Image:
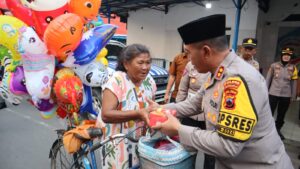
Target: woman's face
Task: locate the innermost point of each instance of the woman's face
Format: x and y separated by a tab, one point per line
286	58
139	67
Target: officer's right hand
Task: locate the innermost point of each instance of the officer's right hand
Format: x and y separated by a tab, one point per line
166	98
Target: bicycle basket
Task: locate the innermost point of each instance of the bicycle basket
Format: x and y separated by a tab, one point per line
175	158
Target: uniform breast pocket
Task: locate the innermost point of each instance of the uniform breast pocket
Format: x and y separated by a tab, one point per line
212	113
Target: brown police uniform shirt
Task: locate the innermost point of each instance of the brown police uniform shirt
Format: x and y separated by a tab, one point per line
240	131
282	80
190	83
176	69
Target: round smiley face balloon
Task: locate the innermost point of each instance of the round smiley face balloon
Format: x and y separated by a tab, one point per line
87	9
63	35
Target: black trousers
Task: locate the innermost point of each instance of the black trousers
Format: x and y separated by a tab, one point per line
282	104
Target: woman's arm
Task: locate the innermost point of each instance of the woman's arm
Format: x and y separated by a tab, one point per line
110	114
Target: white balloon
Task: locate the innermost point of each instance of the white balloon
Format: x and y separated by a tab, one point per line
44	5
38	65
93	74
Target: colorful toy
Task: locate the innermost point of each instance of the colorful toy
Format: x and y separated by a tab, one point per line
17	82
63	35
93	74
92	42
38	65
20	11
9	33
87	9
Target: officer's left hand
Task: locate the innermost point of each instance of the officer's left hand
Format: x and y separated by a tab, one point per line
169	127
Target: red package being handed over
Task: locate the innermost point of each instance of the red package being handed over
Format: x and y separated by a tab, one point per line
159	115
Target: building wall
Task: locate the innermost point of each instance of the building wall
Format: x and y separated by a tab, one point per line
268	28
158	30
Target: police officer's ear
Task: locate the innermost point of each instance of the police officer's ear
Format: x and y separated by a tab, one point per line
207	50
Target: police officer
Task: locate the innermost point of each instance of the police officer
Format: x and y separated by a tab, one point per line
249	50
240	131
282	83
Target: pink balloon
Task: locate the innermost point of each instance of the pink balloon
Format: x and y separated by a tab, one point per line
20	11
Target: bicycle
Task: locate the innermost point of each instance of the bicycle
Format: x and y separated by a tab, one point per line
80	159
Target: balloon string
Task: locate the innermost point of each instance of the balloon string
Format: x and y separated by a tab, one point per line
76	118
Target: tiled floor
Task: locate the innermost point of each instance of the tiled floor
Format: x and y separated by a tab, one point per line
291	131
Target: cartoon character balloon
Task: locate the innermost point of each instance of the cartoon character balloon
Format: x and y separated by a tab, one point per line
68	91
93	74
9	34
17	82
38	65
42	5
87	9
20	11
44	11
92	42
63	35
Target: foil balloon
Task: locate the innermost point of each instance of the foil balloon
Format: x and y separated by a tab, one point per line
93	74
6	93
87	103
9	33
94	23
61	112
42	5
68	91
38	65
63	35
44	105
17	82
49	114
20	11
102	54
104	61
64	72
86	9
44	11
92	42
6	58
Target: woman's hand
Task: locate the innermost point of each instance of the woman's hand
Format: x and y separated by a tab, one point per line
144	114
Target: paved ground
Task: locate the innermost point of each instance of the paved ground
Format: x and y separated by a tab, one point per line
26	137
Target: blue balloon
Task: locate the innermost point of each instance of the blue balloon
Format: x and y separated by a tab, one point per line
87	103
92	42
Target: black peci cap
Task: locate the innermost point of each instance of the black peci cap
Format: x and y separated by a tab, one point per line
202	29
249	42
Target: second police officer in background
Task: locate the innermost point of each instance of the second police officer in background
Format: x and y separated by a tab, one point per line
249	50
282	84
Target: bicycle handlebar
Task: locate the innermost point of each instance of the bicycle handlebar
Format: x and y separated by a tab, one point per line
111	138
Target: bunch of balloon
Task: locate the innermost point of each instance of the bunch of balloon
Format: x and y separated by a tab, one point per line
50	55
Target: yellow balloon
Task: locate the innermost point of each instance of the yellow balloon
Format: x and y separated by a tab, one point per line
101	54
104	61
9	33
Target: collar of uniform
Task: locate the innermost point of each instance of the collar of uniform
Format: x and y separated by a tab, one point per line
219	73
284	65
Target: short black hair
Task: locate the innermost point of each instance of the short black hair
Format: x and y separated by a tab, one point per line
129	53
219	43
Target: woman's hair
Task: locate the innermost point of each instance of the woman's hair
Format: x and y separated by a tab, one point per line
129	53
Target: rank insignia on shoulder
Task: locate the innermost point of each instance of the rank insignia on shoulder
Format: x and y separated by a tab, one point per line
219	73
